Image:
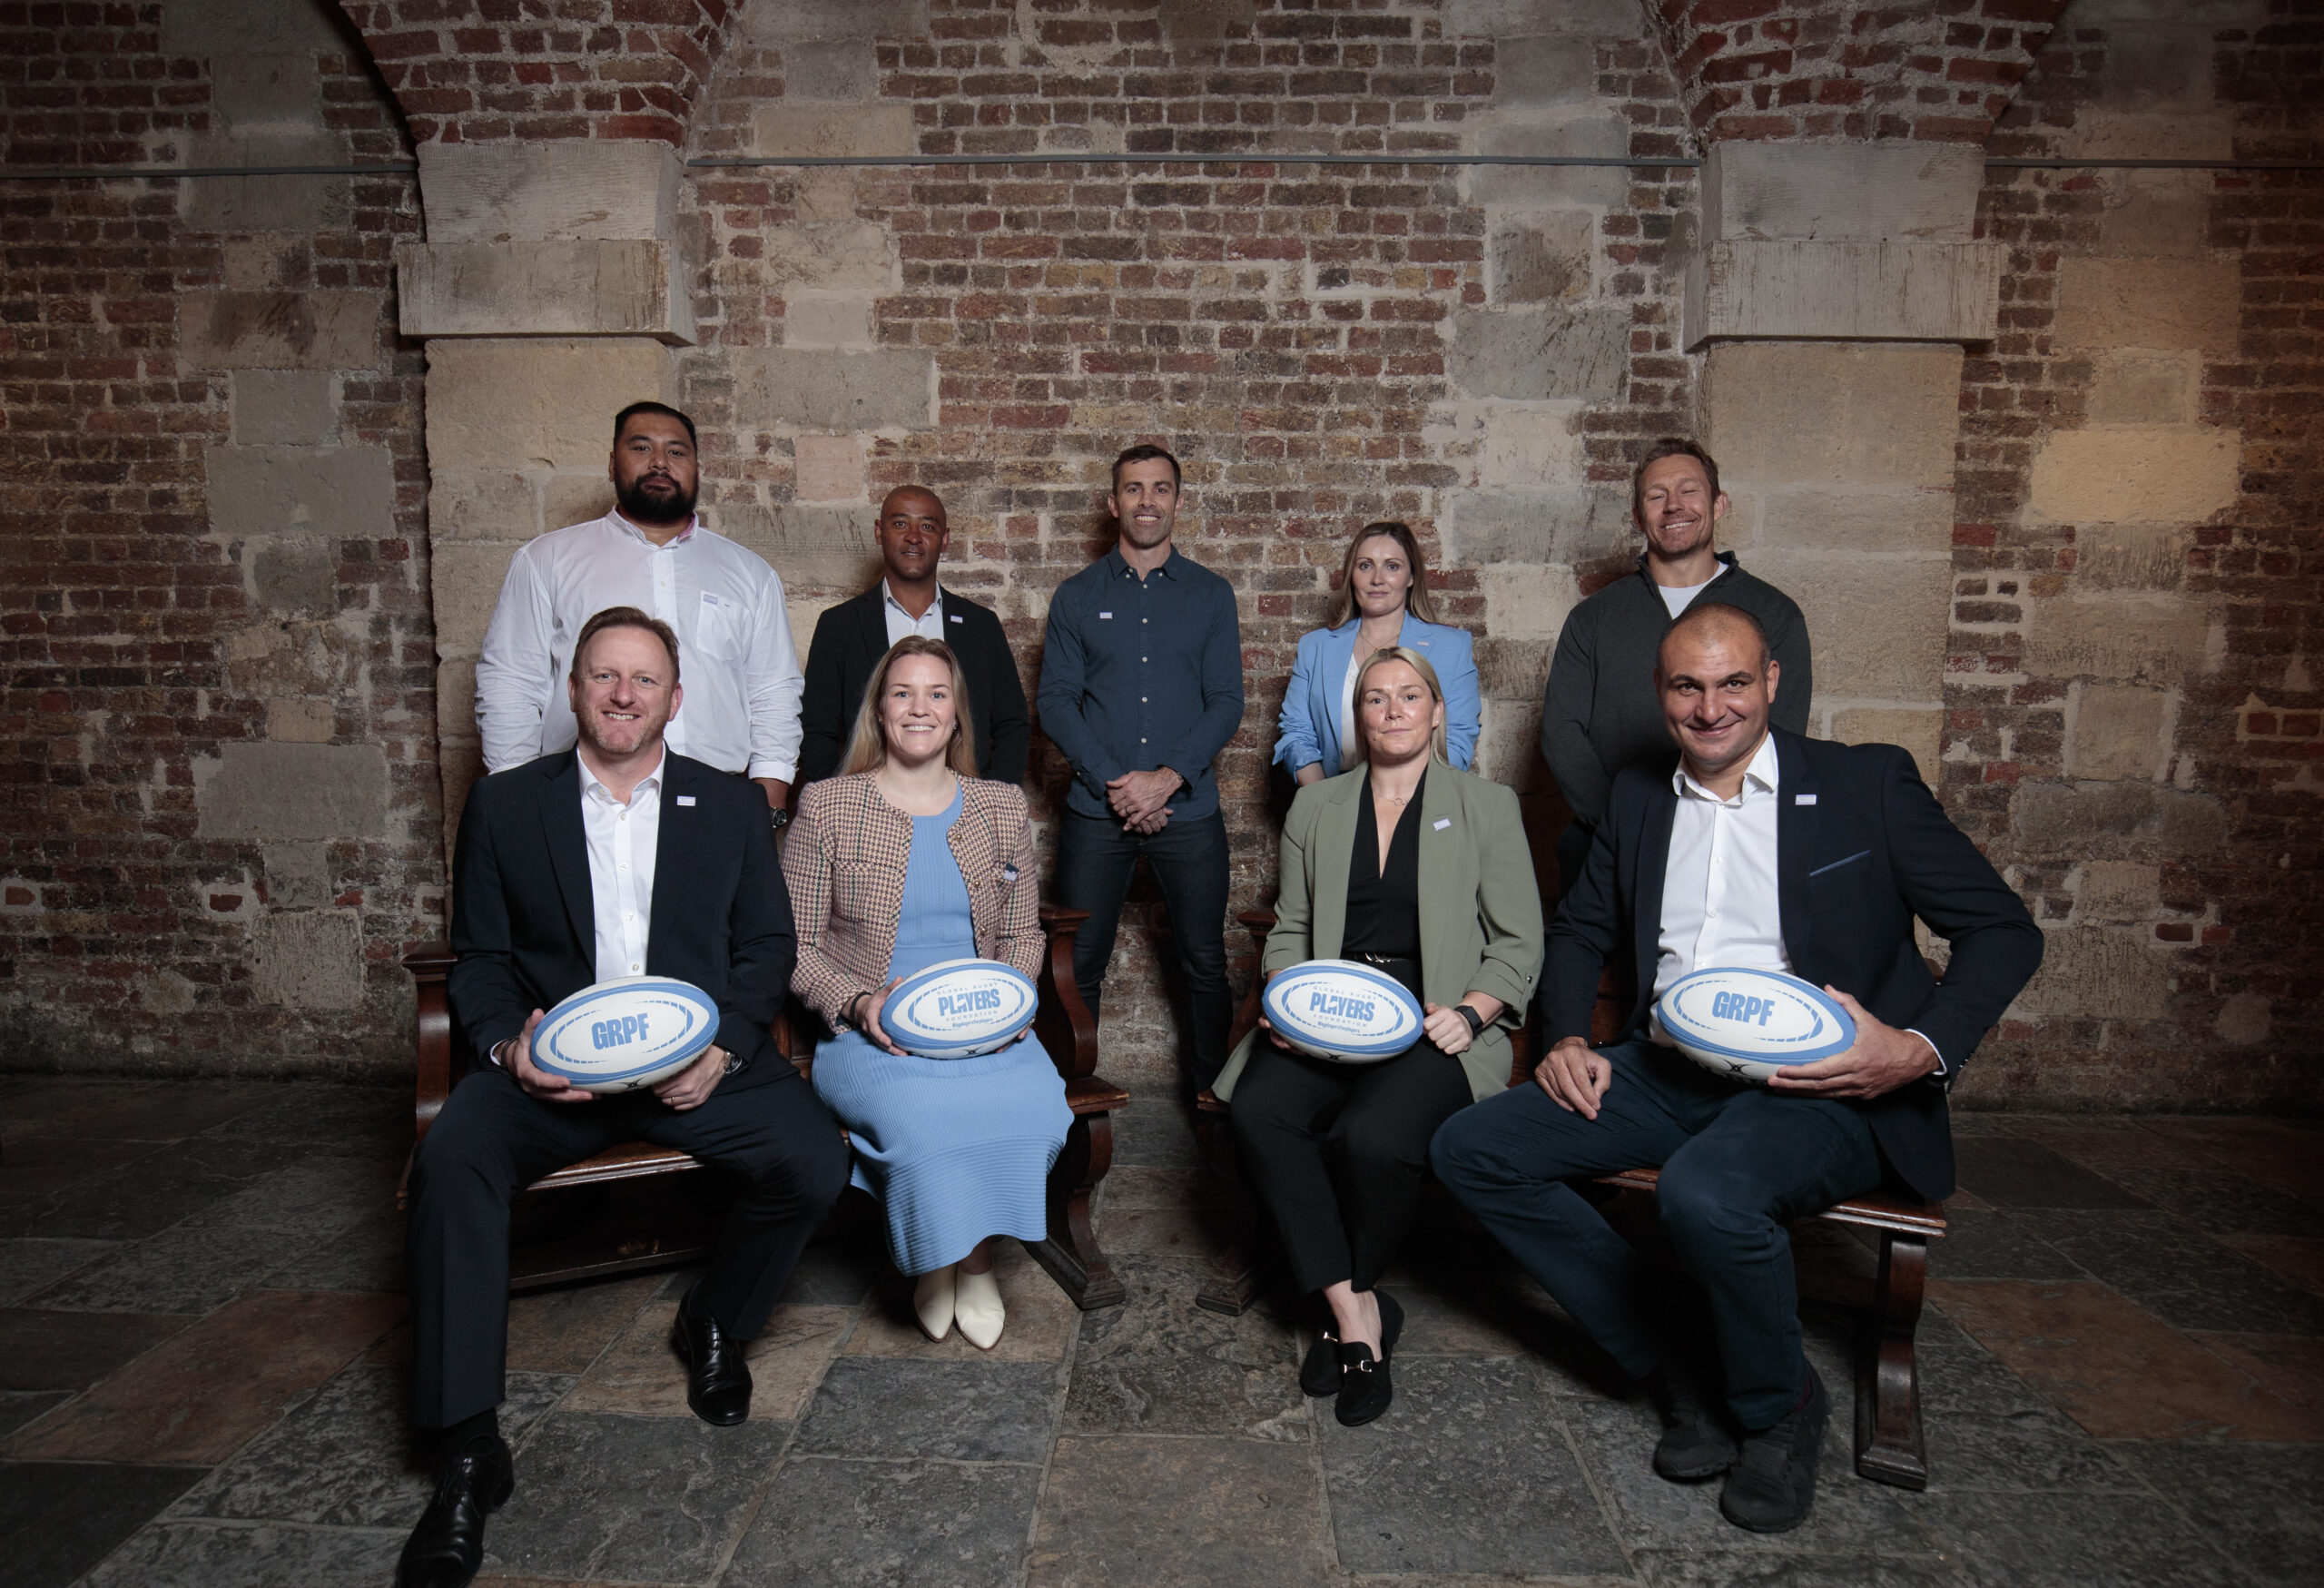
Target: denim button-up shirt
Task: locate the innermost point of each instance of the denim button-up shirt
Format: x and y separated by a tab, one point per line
1142	673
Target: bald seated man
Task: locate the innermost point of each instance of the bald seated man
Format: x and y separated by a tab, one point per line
850	638
1751	847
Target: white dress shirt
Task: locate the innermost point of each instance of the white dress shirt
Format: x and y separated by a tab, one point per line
736	659
621	840
929	625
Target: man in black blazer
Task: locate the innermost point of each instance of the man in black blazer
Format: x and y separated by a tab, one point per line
614	858
1759	848
850	638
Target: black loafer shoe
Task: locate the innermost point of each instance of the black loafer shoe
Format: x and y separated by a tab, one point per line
1773	1482
1365	1388
718	1384
1695	1443
448	1547
1320	1373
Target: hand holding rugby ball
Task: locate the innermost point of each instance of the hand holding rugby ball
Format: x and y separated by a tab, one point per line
1343	1010
958	1009
624	1034
1747	1024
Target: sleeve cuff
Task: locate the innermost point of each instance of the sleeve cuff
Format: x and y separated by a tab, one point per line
780	771
1943	1072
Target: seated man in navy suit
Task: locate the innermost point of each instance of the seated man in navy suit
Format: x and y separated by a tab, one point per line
615	858
1756	848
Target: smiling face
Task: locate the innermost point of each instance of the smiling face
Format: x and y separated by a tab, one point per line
1676	508
624	692
1381	577
1718	685
911	534
653	471
917	716
1397	713
1145	501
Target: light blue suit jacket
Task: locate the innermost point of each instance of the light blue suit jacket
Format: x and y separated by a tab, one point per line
1309	730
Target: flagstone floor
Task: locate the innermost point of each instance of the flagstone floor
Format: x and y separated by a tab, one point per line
201	1368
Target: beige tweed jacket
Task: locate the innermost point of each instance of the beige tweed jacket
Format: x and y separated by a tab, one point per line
845	859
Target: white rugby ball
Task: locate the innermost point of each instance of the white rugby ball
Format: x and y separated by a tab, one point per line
625	1033
958	1009
1749	1024
1342	1010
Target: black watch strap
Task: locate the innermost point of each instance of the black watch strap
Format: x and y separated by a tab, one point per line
1476	1021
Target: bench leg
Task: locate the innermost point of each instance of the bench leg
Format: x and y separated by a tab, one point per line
1241	1271
1888	1444
1071	1253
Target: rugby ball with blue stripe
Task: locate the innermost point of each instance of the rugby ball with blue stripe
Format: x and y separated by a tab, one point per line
1342	1010
1749	1024
625	1033
960	1009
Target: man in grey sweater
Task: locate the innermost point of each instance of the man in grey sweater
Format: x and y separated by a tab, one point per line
1601	712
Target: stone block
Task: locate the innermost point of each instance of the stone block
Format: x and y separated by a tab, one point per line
600	287
266	89
1542	259
574	498
829	468
575	189
295	204
1894	290
2050	818
783	129
285	408
849	256
1876	624
2118	638
1503	19
1509	745
298	721
824	192
222	30
2106	303
279	331
282	658
270	793
308	959
1916	519
2244	1020
780	21
841	71
843	321
1803	413
2143	388
482	503
337	492
1548	187
2132	556
536	402
1567	525
1513	669
1841	192
2118	731
298	875
1194	21
836	391
455	699
2134	475
1922	731
2095	973
465	580
1546	69
2117	890
2101	134
2160	212
295	576
1538	353
1524	602
1531	445
829	547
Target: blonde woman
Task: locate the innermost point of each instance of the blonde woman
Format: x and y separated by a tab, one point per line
904	860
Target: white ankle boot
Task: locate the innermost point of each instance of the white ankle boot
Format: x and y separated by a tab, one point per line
978	1311
933	1300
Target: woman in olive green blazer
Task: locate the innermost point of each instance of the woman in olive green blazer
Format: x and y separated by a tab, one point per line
1336	1152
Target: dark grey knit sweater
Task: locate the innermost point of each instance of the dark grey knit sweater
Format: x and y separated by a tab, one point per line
1599	713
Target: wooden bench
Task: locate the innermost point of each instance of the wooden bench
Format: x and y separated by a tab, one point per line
1889	1446
657	1231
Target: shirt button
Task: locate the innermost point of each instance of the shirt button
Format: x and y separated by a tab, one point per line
633	968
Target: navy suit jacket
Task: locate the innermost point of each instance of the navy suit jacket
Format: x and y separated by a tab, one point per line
1862	847
524	922
850	638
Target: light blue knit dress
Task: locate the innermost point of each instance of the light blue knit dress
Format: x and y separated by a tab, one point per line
956	1148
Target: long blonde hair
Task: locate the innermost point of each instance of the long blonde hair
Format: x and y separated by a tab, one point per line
1417	600
1418	664
867	747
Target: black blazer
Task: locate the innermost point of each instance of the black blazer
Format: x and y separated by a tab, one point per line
1861	848
850	638
525	929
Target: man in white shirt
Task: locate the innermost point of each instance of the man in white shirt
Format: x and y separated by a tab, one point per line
722	600
1763	849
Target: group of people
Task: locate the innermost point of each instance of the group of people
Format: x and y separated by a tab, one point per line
616	835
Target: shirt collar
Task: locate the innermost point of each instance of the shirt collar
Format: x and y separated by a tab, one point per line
632	530
1726	563
888	598
1762	776
593	788
1118	565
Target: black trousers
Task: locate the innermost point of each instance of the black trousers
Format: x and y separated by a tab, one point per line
1335	1152
491	1140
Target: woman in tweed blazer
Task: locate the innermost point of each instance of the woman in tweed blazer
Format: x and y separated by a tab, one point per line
905	860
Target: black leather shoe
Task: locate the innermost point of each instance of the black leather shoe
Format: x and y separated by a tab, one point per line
1320	1373
1365	1388
1695	1443
448	1547
1773	1482
718	1384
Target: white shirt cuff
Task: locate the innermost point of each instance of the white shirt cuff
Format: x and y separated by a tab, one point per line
1942	1070
780	771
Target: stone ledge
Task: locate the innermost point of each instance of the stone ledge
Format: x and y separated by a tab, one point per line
605	287
1895	290
576	190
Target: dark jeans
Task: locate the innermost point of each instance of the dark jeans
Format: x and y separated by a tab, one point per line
1739	1164
1335	1152
1094	859
491	1140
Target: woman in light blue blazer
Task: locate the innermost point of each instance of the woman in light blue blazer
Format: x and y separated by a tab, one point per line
1383	600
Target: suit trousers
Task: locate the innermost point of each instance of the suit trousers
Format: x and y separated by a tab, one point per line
1738	1164
492	1140
1189	859
1335	1152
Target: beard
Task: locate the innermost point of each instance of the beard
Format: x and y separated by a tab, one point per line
640	505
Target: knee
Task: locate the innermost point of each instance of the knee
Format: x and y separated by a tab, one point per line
1458	1154
1383	1149
1712	1213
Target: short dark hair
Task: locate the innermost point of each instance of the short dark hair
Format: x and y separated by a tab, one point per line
625	618
1673	446
1714	615
1146	451
621	421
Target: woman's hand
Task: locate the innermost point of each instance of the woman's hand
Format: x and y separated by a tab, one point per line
865	1014
1274	1036
1449	1029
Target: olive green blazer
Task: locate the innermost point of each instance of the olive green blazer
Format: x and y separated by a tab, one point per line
1480	912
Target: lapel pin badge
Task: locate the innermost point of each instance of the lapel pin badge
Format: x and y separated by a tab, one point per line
686	799
1803	799
1009	873
1443	823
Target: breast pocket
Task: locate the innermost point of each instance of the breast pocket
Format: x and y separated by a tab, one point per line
721	627
865	890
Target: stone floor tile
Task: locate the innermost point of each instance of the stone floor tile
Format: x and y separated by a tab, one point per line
2112	1367
1959	1377
2013	1172
316	1197
38	1169
954	1411
2260	1501
2106	1145
2071	1541
833	1272
2179	1273
1161	1365
1997	1246
1195	1233
182	1269
2026	1450
2291	1366
70	1350
2288	1154
895	1524
1043	1322
144	1197
200	1396
348	1457
652	1499
1496	1320
142	1111
28	1266
213	1554
566	1328
59	1520
1147	1185
2297	1257
2223	1203
1748	1569
1468	1470
21	1407
367	1255
1155	1133
640	1373
1166	1512
371	1118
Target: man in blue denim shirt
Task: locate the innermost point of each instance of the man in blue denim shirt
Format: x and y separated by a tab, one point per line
1141	688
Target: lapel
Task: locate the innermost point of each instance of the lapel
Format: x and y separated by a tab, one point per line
1447	889
1795	841
1653	862
872	620
568	850
1334	838
976	850
677	846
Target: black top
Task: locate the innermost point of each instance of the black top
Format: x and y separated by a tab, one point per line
1383	907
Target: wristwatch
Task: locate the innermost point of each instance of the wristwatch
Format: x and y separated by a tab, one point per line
778	817
1476	1021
